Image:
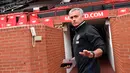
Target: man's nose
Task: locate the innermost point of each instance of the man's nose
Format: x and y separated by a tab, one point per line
74	19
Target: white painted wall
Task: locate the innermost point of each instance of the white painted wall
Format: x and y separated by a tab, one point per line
67	44
66	0
110	51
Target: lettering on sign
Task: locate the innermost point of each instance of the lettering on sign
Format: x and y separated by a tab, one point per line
67	18
88	15
93	15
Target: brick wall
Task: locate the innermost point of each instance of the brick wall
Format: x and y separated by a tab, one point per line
120	27
15	46
18	56
54	46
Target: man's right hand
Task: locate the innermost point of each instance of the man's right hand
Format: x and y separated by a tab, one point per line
68	66
70	62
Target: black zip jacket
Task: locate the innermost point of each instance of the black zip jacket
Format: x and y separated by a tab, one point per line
87	37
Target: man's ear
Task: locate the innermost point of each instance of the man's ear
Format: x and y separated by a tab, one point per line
82	15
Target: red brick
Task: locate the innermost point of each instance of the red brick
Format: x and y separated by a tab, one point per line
120	39
18	56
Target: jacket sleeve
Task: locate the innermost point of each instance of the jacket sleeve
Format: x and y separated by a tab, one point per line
95	39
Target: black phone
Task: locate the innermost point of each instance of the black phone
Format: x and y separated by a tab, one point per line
66	64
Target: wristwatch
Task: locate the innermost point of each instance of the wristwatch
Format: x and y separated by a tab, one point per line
93	54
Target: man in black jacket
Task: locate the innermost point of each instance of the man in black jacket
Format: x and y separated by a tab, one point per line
88	45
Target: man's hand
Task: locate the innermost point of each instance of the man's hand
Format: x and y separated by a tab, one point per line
68	66
86	53
69	61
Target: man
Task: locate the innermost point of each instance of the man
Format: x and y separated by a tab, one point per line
87	43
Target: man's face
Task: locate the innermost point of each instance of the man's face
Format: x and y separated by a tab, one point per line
76	18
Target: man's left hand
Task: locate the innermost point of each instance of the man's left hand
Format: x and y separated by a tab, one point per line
86	53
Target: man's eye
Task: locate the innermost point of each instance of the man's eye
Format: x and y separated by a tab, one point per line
75	16
71	17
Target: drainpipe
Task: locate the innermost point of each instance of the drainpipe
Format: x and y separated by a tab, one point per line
110	52
67	44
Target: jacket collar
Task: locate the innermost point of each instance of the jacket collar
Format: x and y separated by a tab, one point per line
79	25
